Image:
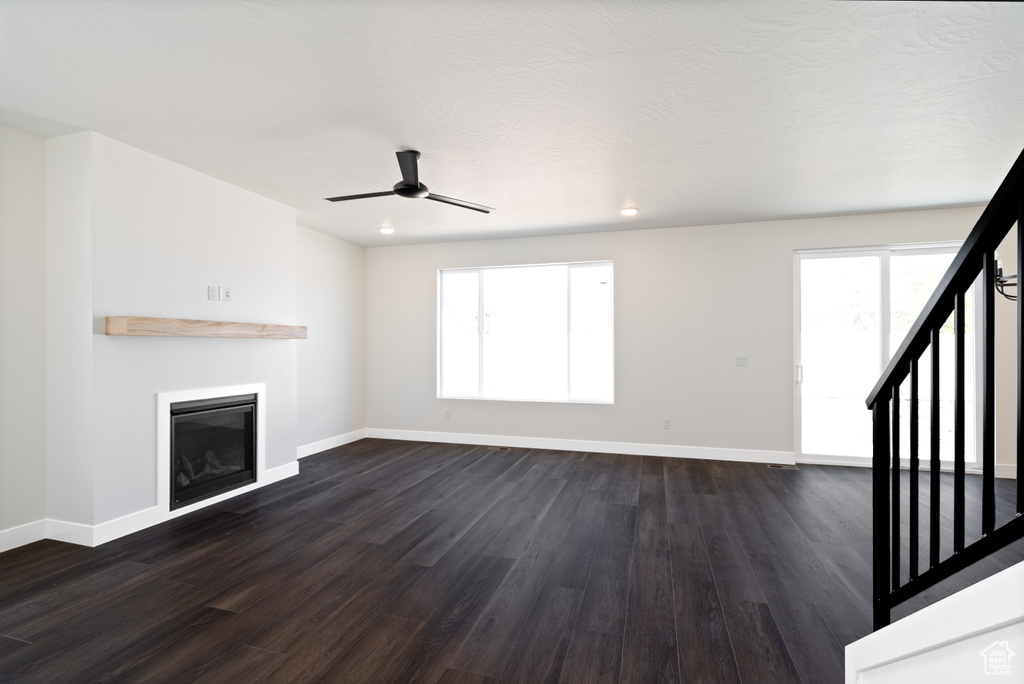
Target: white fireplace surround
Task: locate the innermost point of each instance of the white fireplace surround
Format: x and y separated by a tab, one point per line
163	441
104	532
94	535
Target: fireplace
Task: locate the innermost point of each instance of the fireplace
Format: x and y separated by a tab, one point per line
212	447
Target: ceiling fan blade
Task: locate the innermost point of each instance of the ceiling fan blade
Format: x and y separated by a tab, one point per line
460	203
364	196
407	162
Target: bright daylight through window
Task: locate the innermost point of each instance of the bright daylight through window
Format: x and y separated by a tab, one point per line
527	333
854	309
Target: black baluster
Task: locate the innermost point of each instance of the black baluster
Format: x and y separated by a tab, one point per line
988	397
895	561
959	494
936	465
880	512
915	466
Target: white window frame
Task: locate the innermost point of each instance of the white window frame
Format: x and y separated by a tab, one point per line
884	252
568	337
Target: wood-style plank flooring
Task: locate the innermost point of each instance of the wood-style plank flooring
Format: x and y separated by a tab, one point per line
388	561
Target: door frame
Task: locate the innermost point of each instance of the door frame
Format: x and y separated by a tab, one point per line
884	252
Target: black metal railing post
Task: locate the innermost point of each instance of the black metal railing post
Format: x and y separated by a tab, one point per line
915	469
959	427
935	463
880	513
894	560
988	394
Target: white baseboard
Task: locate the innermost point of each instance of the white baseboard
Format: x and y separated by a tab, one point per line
329	443
14	537
851	461
72	533
1003	471
639	449
94	535
140	520
947	641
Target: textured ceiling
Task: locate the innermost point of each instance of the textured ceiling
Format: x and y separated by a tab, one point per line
557	113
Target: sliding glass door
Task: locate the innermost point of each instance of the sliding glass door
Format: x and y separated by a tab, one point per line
853	310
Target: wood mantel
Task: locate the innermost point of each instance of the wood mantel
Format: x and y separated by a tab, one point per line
184	327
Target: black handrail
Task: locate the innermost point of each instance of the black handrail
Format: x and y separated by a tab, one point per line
976	257
993	225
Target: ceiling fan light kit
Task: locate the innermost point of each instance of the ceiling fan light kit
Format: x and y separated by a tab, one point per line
411	187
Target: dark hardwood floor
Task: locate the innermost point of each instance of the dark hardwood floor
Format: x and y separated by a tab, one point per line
389	561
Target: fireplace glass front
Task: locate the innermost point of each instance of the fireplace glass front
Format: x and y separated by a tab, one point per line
213	447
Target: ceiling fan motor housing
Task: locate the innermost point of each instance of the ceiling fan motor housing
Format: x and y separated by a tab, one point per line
411	191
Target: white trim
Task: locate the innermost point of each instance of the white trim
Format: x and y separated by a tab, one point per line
329	443
481	273
72	533
1008	471
163	433
14	537
140	520
865	462
639	449
938	247
884	253
94	535
850	461
934	635
798	368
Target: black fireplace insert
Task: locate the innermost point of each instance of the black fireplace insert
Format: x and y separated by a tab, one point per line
213	447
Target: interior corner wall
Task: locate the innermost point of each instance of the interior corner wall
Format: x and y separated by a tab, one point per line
23	329
70	492
330	288
687	301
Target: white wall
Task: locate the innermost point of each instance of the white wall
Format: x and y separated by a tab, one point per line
687	301
69	372
144	238
91	228
22	329
161	234
1006	366
331	301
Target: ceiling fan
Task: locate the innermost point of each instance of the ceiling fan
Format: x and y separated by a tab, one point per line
411	187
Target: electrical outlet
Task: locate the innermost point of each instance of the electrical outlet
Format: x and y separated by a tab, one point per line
666	423
211	292
741	360
225	294
447	413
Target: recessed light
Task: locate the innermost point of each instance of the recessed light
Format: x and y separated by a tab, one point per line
387	230
629	211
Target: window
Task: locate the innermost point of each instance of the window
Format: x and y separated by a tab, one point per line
854	308
527	333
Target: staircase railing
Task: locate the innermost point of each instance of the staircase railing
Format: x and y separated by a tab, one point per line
977	256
